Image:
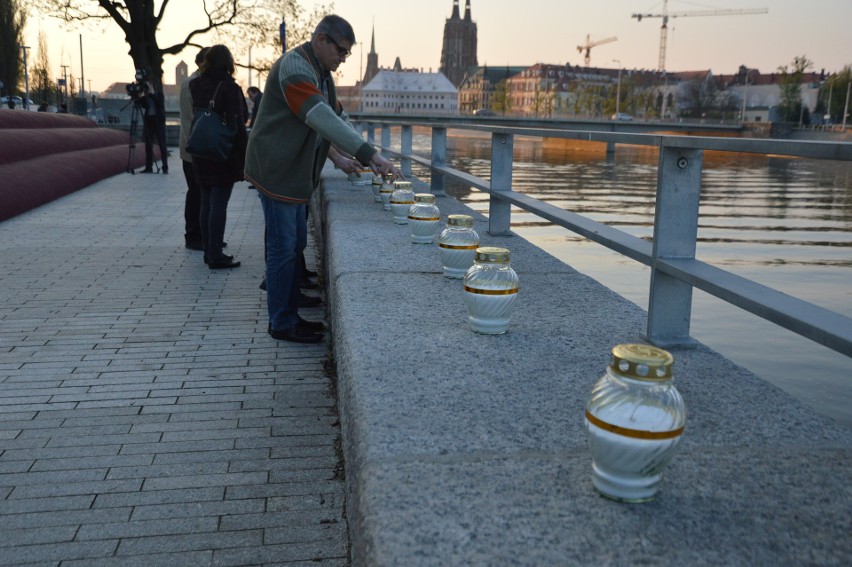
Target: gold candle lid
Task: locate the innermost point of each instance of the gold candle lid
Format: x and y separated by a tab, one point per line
491	254
642	362
424	198
402	184
460	220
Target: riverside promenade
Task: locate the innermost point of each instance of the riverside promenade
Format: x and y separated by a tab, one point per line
146	417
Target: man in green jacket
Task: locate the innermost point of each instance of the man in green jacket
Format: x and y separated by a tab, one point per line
296	123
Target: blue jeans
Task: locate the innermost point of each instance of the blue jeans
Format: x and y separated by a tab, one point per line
286	239
212	217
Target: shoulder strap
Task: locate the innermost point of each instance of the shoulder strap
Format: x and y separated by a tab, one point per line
213	98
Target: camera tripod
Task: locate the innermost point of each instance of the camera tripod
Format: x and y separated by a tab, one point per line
135	112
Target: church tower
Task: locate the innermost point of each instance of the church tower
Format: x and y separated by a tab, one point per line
459	50
372	60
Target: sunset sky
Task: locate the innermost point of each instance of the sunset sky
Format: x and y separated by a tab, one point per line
521	32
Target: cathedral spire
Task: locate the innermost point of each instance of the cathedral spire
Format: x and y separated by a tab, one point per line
455	15
467	15
373	40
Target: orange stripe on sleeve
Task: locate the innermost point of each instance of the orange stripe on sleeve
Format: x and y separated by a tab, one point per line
299	93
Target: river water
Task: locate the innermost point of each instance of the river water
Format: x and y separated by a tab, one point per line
785	223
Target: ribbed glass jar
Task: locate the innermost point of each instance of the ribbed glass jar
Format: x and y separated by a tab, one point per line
490	288
377	186
423	218
634	422
458	243
363	176
385	193
401	200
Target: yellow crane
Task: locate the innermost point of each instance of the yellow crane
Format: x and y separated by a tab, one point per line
590	44
665	15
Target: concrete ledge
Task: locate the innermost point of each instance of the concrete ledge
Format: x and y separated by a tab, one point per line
47	156
464	449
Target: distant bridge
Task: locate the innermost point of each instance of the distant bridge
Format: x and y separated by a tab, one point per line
585	125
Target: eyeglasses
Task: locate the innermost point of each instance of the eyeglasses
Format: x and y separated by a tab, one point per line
343	53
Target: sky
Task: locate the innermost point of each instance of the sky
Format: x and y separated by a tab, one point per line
518	33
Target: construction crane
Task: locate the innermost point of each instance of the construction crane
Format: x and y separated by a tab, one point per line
666	15
590	44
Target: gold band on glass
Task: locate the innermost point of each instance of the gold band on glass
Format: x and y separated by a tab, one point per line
491	291
635	433
454	247
424	219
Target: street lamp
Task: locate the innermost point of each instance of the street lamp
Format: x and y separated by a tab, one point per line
618	90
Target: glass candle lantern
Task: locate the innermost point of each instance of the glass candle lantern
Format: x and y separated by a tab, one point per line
634	422
362	177
377	186
401	200
458	243
423	218
490	287
385	193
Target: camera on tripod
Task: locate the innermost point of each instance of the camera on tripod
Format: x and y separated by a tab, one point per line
139	87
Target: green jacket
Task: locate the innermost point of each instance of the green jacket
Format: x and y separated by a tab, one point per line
295	124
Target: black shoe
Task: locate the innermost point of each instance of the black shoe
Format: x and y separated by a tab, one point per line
193	245
223	265
146	170
312	326
225	258
307	284
295	334
309	273
263	284
165	170
309	301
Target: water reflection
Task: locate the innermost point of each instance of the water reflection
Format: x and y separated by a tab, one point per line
786	223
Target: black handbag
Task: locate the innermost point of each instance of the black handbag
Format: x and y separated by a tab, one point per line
210	137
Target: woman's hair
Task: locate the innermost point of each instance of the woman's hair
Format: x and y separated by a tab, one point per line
218	57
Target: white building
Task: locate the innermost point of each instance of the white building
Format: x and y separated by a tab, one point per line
407	92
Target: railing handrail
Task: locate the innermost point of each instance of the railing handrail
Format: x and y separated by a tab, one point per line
671	255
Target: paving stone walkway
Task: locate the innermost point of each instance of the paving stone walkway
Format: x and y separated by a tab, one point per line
146	417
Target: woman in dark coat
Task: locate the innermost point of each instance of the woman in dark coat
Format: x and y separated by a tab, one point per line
216	178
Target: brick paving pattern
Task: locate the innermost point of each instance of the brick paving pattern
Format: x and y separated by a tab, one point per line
146	417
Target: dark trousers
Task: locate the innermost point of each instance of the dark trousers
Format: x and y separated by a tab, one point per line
154	128
214	213
192	207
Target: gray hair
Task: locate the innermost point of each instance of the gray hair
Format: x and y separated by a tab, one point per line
335	27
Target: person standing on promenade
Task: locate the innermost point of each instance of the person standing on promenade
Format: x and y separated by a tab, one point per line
287	148
154	126
256	96
216	178
192	206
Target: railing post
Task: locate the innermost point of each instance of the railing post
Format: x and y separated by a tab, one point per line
439	159
386	133
406	139
500	212
675	234
371	133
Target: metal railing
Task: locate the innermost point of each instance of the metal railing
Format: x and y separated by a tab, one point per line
671	255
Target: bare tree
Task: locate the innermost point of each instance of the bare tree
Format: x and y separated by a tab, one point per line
240	23
12	22
43	89
702	97
790	105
